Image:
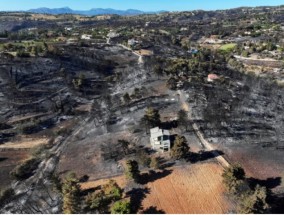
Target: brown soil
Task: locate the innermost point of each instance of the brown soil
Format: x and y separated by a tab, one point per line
188	189
24	143
8	161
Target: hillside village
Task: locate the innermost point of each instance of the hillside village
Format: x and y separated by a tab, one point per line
171	112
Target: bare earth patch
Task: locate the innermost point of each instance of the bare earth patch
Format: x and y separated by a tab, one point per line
25	143
189	189
120	180
8	161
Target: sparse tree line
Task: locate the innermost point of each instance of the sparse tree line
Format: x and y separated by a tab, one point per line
108	198
252	199
137	93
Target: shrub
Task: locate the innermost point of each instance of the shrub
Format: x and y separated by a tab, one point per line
143	158
132	170
6	196
255	202
71	194
233	178
121	207
155	163
26	169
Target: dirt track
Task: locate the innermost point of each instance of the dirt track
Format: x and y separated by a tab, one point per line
204	142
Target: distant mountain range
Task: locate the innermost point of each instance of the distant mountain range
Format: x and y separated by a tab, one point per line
92	12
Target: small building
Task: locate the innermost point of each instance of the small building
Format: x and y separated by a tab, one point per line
212	77
86	37
160	139
132	42
147	24
68	29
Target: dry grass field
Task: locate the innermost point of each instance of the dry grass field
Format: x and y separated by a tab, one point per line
191	189
24	142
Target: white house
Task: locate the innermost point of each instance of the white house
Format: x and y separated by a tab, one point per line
132	42
86	37
68	29
160	139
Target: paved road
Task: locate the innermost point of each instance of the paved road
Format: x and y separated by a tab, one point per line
205	143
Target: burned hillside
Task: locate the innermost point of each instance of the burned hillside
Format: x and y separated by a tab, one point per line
142	99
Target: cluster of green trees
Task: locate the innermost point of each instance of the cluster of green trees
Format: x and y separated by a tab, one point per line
251	200
25	49
71	195
26	169
107	199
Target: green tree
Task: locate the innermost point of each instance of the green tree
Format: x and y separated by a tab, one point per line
155	163
180	148
255	202
96	201
100	200
121	207
233	178
71	194
245	54
143	158
152	117
112	190
132	170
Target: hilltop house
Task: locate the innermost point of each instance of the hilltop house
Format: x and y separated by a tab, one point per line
160	139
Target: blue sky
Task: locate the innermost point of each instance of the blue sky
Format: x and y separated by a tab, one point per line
146	5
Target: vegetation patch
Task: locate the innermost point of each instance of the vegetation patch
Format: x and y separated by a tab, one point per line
228	47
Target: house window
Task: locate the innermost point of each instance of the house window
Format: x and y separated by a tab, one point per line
165	137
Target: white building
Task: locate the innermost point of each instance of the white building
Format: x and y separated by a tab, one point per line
68	29
160	139
132	42
86	37
113	34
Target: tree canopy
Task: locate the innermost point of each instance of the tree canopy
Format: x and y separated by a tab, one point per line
71	194
180	148
132	170
233	178
121	207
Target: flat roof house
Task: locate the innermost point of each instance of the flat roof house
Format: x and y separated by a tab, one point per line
160	139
